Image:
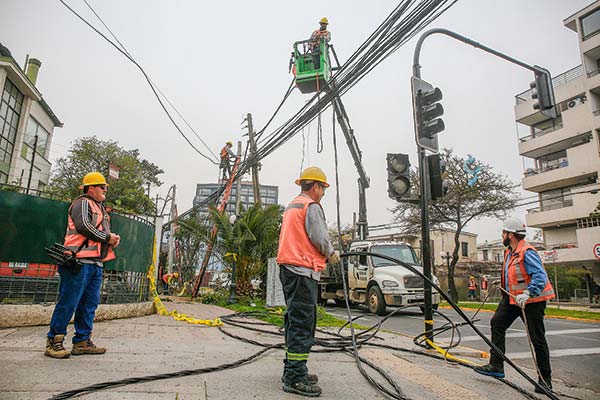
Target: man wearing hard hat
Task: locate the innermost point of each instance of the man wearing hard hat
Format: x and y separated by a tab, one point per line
304	250
524	286
90	240
226	154
314	45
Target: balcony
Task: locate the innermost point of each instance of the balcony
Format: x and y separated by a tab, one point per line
557	81
563	163
580	252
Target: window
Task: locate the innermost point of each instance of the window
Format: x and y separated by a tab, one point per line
464	247
33	129
557	198
10	112
590	24
485	255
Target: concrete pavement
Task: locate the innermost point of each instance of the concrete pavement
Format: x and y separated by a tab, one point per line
154	344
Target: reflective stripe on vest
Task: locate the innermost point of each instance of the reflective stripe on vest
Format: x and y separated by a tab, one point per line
295	247
518	279
74	239
224	152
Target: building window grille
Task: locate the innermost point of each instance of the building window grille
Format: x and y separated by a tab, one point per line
588	222
10	113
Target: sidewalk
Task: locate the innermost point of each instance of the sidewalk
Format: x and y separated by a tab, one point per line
154	344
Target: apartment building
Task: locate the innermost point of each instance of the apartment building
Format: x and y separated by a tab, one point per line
268	194
26	123
562	156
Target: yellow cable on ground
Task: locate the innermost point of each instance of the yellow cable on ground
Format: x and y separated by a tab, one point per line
449	356
162	310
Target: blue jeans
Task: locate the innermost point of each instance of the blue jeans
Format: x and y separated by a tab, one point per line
79	294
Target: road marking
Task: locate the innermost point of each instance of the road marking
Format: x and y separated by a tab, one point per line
548	333
558	353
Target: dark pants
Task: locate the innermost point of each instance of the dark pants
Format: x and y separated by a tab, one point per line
316	57
300	322
79	293
503	318
226	167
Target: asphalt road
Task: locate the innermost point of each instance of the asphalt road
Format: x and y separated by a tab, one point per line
574	346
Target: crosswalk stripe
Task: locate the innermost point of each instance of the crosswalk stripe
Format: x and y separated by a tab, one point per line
557	353
475	338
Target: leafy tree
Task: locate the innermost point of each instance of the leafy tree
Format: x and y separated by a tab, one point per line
492	195
191	235
128	193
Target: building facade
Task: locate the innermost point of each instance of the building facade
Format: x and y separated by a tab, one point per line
26	122
269	195
562	155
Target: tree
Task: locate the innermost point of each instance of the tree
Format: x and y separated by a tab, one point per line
128	193
192	235
492	195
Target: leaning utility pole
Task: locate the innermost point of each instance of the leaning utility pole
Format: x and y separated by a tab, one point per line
254	161
238	186
35	143
171	242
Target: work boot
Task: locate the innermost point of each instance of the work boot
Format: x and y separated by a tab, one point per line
86	347
496	371
55	348
303	388
546	383
312	379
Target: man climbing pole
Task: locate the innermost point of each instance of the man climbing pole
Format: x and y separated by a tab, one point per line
226	155
314	46
304	249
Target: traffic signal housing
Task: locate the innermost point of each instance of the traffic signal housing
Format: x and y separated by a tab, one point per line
398	169
427	110
438	176
543	92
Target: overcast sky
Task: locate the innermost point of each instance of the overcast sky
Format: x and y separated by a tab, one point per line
218	61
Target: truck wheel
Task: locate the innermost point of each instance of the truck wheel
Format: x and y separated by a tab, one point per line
375	301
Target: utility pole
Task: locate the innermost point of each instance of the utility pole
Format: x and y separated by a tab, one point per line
253	155
238	209
35	142
171	242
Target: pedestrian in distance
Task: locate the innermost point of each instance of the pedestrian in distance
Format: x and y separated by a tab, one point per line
483	293
304	249
90	240
314	44
226	155
472	286
525	287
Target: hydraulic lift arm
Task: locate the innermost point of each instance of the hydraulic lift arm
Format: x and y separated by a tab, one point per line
363	179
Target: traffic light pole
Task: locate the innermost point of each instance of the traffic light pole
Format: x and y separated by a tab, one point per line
423	165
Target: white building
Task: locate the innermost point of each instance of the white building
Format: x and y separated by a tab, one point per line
562	156
26	121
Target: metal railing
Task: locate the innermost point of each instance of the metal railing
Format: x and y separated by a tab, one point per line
553	206
546	168
542	132
557	81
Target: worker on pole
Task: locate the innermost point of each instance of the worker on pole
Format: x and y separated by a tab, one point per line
525	290
314	45
226	155
304	249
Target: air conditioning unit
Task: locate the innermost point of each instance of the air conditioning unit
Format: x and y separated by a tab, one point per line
576	101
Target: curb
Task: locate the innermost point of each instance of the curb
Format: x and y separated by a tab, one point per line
546	316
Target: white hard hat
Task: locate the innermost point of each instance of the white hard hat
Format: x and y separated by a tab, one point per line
514	225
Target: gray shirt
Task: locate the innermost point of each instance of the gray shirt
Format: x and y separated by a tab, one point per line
316	229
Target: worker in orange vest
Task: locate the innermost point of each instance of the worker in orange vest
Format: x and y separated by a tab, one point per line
226	155
483	293
169	280
90	240
314	44
472	287
526	281
304	249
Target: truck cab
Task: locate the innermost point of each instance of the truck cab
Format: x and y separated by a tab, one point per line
379	283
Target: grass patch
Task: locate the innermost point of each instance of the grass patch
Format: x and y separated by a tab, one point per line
550	311
275	316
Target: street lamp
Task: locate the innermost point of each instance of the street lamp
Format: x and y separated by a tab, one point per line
446	256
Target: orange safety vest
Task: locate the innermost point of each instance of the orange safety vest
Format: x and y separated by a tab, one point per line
224	152
316	39
74	239
472	284
295	247
484	284
518	279
168	278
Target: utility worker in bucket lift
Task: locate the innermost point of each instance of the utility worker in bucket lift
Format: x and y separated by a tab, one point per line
304	249
524	277
89	237
314	45
226	154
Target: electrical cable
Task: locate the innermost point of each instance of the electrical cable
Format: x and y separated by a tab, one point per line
145	76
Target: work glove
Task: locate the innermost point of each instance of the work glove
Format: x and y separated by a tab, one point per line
334	258
522	298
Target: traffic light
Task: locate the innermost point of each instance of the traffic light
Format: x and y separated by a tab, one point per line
427	109
438	176
543	92
398	168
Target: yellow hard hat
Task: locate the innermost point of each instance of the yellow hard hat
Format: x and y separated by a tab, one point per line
229	142
312	174
93	178
324	20
176	274
471	277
